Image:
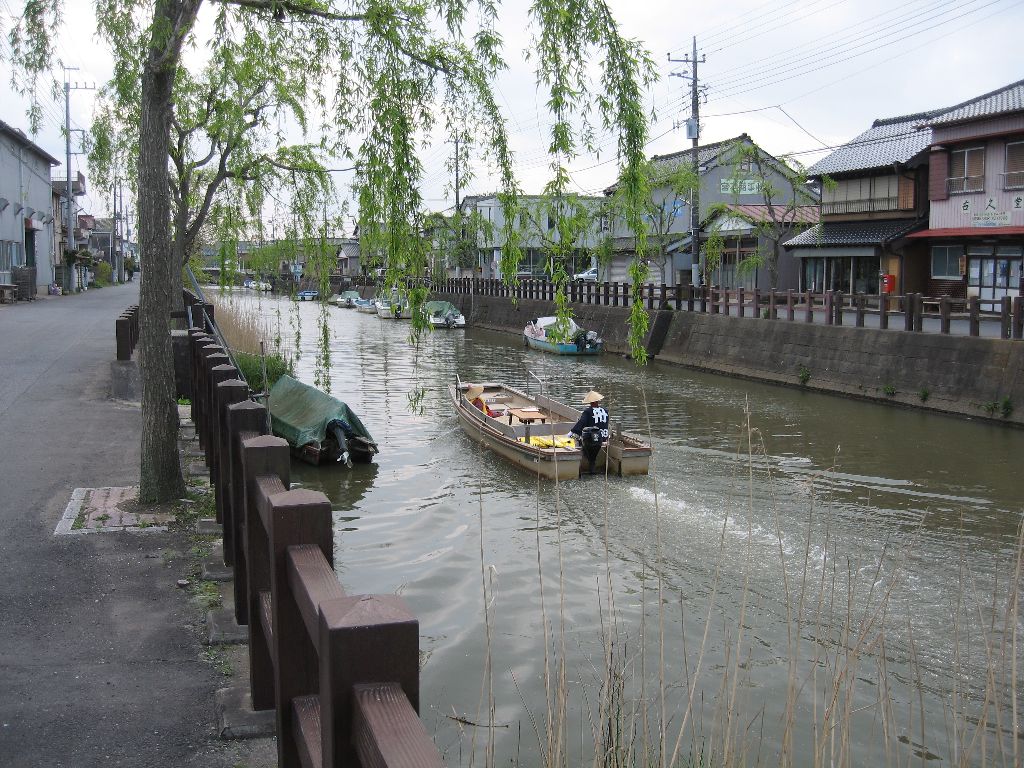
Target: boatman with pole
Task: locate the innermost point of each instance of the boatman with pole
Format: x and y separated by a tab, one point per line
594	415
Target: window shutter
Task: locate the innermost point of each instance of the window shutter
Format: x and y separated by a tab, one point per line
906	194
1015	157
976	162
938	171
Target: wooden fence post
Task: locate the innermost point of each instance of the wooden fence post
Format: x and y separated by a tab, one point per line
883	311
741	298
773	305
262	457
839	298
293	518
228	392
1004	317
222	371
715	298
249	419
199	394
829	308
214	356
918	312
689	297
650	295
677	297
1018	317
663	298
809	308
974	312
755	300
197	340
859	302
944	312
363	639
704	295
790	305
625	294
908	311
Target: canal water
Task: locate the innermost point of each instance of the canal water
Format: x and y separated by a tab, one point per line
800	574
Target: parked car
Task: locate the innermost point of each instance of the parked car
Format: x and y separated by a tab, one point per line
587	276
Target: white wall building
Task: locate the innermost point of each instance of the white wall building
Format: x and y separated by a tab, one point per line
26	207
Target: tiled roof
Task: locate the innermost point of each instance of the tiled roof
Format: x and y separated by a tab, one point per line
706	155
853	233
893	140
1009	98
801	214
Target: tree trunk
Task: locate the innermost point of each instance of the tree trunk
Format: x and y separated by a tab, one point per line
161	478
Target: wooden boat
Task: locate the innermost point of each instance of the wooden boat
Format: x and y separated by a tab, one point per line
319	428
529	430
543	333
346	299
443	314
393	309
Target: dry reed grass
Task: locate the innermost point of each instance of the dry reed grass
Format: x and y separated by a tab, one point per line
241	322
848	651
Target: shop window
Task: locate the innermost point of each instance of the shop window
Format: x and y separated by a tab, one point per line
967	170
946	262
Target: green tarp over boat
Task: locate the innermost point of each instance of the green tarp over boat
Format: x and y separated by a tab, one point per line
301	413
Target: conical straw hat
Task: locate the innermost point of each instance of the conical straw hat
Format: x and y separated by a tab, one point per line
474	391
593	396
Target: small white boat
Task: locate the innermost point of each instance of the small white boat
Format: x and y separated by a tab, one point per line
395	309
366	306
346	299
543	333
443	314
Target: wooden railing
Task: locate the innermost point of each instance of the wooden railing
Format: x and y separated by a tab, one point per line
829	307
341	671
126	332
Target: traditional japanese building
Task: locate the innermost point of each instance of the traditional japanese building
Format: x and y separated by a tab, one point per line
975	234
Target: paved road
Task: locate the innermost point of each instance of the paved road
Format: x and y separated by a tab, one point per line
100	654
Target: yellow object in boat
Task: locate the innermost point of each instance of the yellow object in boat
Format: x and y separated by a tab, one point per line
545	442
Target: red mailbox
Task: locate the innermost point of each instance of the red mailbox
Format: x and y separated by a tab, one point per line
888	283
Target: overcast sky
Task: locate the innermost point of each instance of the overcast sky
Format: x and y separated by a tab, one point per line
796	75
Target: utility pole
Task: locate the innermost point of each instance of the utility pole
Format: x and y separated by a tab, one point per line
113	224
69	208
693	131
121	228
67	154
456	171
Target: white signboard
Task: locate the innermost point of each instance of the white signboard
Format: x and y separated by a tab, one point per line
741	186
990	219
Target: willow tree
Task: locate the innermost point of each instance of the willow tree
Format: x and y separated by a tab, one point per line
380	75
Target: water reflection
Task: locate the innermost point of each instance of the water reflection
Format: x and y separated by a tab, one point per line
848	516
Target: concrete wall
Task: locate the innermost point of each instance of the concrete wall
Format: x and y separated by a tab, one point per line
961	374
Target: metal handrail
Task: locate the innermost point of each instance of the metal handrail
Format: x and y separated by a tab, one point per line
211	324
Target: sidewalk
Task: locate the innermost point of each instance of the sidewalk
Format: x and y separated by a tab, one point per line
102	662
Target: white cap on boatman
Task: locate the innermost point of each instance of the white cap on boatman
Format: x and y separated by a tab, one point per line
593	396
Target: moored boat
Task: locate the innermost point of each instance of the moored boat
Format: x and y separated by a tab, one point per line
366	306
529	430
308	295
346	299
443	314
393	309
318	427
544	333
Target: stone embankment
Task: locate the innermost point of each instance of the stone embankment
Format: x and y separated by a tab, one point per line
962	375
